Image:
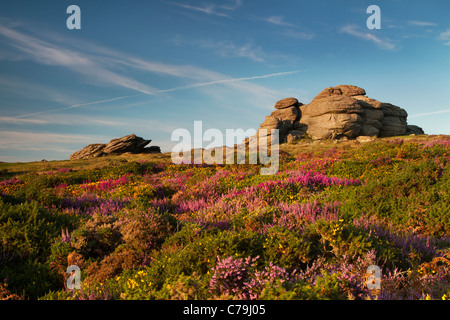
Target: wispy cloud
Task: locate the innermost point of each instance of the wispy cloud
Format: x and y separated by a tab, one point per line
11	120
102	65
80	120
299	34
279	21
230	49
355	31
37	91
25	140
229	81
291	30
73	106
445	36
422	23
429	113
91	67
221	10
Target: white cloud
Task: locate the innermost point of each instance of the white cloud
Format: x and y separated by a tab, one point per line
97	121
429	113
91	67
445	36
422	23
19	121
299	34
37	91
101	64
211	8
230	49
368	36
27	140
279	21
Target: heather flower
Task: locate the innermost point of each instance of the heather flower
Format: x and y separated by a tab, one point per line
89	204
61	186
239	277
431	143
299	216
105	185
232	276
351	276
425	246
65	236
10	182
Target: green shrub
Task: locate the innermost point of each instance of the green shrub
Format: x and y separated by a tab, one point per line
286	249
200	255
98	237
336	239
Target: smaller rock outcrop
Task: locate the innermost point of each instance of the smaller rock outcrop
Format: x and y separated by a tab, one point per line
127	144
413	129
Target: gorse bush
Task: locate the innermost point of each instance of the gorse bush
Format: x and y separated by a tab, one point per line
154	230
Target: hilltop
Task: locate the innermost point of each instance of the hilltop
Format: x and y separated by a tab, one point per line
140	227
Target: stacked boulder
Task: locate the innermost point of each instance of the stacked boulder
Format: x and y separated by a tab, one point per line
127	144
285	118
335	113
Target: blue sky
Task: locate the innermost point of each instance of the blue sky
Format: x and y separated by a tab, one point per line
150	67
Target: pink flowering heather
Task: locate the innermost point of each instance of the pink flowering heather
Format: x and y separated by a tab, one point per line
105	185
89	204
65	236
351	275
239	278
304	164
431	143
10	182
425	246
232	276
299	216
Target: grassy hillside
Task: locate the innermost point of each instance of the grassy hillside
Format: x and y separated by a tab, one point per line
140	227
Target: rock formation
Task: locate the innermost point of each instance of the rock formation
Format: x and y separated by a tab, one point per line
335	113
130	143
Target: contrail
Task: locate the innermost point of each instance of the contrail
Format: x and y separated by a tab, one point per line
194	85
203	84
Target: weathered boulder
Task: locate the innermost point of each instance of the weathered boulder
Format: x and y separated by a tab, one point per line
290	113
333	115
365	116
373	114
88	152
130	143
294	135
333	125
286	103
270	123
341	90
127	144
394	121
